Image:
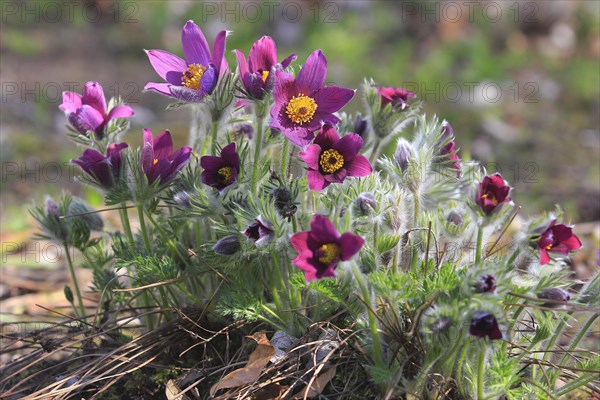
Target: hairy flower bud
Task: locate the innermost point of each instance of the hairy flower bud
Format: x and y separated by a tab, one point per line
360	125
227	246
81	210
441	324
554	294
284	202
404	153
484	324
454	218
182	199
365	203
485	284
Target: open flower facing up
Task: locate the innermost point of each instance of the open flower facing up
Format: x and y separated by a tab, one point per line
258	73
304	103
398	97
88	112
191	79
221	171
484	324
158	160
259	231
321	248
331	159
492	193
105	170
557	238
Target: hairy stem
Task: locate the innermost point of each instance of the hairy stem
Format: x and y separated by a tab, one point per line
74	278
257	149
145	238
480	372
479	245
285	150
377	353
125	223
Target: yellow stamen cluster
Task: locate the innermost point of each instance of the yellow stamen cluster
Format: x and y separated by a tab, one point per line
225	173
264	75
331	161
550	246
330	252
301	109
491	198
155	161
192	76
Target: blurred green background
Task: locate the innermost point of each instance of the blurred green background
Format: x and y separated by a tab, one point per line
518	80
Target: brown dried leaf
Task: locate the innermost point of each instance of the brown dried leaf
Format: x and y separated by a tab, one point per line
258	360
317	386
173	392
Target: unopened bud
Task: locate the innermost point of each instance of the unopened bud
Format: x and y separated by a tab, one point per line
360	125
227	246
182	199
365	203
554	294
455	218
485	284
404	153
68	294
441	324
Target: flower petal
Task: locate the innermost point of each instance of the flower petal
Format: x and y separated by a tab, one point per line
327	137
349	146
313	73
311	156
323	229
285	88
209	79
332	98
195	46
163	146
263	54
162	88
71	102
360	166
86	118
93	95
350	244
187	95
120	111
241	61
218	59
288	60
316	181
544	257
168	66
230	156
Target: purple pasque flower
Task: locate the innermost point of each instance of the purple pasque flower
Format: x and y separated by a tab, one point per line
258	73
484	324
88	112
191	79
398	97
554	294
158	160
105	170
492	193
557	238
221	171
331	159
259	231
321	248
303	103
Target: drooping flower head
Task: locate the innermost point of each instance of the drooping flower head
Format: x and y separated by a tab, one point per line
484	324
258	73
557	238
191	79
398	97
221	171
158	160
321	248
492	193
447	152
104	170
554	294
88	112
259	231
304	103
331	159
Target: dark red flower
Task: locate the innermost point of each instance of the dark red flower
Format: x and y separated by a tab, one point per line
559	239
331	159
447	154
105	170
398	97
221	171
321	248
484	324
492	193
